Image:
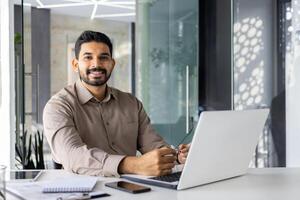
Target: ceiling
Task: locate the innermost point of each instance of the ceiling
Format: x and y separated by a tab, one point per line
118	10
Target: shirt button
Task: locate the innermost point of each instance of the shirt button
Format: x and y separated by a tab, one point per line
107	123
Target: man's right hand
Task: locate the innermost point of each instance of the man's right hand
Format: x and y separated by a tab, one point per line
154	163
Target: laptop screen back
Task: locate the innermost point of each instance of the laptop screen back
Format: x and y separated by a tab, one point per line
223	145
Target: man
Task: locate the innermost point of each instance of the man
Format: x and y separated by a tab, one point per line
95	129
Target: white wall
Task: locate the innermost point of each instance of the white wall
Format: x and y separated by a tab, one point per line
7	84
293	93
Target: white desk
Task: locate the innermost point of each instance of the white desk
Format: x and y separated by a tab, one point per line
258	184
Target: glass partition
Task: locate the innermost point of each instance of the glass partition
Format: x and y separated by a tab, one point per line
265	46
292	84
0	66
167	70
253	64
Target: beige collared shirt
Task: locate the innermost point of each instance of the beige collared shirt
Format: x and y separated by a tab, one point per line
91	137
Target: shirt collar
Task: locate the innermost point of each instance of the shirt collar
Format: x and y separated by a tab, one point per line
84	95
112	92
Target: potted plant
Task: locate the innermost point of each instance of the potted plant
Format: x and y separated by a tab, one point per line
25	149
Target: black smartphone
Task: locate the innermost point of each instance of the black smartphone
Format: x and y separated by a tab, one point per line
128	187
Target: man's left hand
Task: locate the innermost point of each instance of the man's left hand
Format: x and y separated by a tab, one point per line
183	150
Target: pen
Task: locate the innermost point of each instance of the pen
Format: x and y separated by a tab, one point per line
74	197
98	194
84	196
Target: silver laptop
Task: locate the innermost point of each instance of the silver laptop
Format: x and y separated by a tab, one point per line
222	147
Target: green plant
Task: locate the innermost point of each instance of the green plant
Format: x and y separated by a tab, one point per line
38	150
18	38
18	43
23	151
24	148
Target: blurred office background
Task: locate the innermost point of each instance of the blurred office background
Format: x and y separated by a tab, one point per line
178	57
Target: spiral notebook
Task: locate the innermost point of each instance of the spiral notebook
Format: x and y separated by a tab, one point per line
72	184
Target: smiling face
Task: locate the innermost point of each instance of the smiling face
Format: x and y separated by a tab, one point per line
94	64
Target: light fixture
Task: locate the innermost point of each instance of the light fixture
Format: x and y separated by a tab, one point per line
39	2
128	5
115	15
27	4
65	5
94	9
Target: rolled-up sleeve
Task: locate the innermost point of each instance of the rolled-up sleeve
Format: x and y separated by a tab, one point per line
68	148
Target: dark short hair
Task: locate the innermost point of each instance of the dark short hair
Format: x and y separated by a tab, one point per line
90	36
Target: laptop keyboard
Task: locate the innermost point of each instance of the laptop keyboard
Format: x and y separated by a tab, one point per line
168	178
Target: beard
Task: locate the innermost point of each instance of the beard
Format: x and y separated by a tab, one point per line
94	81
